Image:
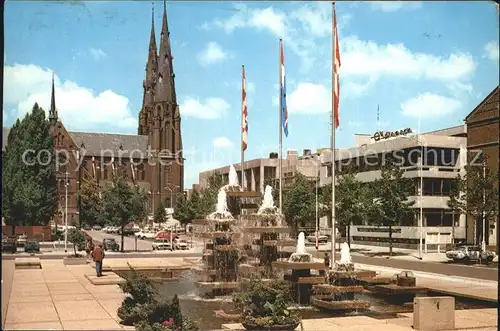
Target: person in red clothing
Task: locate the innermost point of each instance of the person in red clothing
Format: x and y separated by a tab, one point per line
98	257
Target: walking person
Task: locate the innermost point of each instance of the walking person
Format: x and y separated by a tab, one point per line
98	257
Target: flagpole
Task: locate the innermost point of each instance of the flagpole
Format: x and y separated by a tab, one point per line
332	137
281	131
243	88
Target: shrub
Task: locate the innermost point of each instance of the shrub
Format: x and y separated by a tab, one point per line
146	312
265	303
76	237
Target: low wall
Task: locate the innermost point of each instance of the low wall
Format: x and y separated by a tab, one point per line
41	233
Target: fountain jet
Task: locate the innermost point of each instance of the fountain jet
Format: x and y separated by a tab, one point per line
301	254
221	211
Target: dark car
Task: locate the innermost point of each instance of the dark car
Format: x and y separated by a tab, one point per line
9	245
87	228
32	246
110	244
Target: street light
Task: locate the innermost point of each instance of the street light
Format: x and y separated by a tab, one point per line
171	194
66	213
153	205
483	242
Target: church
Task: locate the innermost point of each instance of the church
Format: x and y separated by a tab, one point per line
153	159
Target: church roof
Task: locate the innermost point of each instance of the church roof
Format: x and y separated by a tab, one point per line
95	143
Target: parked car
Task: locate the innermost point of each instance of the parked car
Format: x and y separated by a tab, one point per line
87	227
21	240
110	244
145	235
96	228
9	245
180	244
468	253
32	246
322	239
161	244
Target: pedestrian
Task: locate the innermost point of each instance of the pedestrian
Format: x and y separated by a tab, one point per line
98	257
327	261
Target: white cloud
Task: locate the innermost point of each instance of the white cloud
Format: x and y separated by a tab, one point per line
491	51
79	107
457	88
97	53
211	108
222	142
367	58
392	6
430	105
309	98
213	53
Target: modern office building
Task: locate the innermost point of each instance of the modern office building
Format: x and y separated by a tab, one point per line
483	135
444	157
258	172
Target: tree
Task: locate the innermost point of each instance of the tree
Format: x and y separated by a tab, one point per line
209	194
195	203
353	201
76	237
91	205
299	202
183	210
475	194
123	203
29	187
160	215
391	205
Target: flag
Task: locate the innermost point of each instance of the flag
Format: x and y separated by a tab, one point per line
244	114
336	68
284	110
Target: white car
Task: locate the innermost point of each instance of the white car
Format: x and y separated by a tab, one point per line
145	235
161	244
180	244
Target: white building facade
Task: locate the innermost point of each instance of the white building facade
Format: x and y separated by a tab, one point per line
444	157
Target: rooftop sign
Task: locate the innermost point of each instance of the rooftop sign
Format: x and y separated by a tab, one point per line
382	135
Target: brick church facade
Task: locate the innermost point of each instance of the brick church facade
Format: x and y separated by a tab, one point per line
152	159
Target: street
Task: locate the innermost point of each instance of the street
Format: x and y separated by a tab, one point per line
129	242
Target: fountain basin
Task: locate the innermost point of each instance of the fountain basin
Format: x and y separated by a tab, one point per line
326	303
333	289
217	234
287	265
268	229
283	243
218	285
310	280
206	221
242	194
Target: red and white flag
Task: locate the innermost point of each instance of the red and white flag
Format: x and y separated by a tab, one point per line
244	110
336	69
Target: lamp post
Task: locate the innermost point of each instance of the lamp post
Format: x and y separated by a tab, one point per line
317	225
66	213
172	194
483	242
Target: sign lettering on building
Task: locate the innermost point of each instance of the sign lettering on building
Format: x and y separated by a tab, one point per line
382	135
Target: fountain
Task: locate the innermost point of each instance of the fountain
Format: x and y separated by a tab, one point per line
301	255
221	256
342	284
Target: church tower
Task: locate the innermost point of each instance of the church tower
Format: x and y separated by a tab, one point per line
160	120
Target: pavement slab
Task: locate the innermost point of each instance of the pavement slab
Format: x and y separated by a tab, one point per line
28	312
35	326
80	311
29	290
36	298
102	324
111	307
72	297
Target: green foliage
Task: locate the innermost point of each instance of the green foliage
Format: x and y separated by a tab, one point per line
353	199
91	205
76	237
391	204
265	303
143	309
209	194
29	191
299	201
474	194
196	205
123	203
183	210
160	215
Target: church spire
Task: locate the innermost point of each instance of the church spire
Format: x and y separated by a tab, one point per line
165	84
53	110
151	66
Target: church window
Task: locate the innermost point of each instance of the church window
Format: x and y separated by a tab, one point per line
173	141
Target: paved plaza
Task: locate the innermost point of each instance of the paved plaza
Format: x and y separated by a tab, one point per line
61	297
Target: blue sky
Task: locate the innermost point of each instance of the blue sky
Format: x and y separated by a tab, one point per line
433	61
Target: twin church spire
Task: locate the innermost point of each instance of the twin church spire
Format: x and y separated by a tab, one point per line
159	82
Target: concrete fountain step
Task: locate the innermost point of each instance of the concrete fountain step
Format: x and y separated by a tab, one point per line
27	263
108	278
